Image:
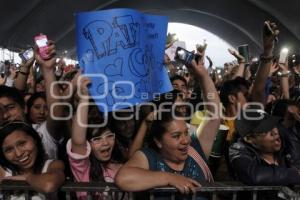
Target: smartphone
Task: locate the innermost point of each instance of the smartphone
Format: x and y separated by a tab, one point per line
26	55
37	72
42	43
185	56
283	55
244	51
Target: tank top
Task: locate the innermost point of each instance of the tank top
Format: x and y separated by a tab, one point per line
192	168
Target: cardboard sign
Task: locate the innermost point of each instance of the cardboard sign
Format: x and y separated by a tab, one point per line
121	50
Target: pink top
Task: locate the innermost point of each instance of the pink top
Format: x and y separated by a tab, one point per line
80	166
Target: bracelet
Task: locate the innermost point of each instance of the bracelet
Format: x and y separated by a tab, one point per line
286	74
24	73
266	58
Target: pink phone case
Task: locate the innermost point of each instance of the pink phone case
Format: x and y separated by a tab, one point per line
41	42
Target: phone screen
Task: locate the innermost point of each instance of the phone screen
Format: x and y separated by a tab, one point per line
37	72
183	55
283	55
28	54
42	42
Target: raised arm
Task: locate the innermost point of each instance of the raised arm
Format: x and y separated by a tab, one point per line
138	140
241	60
78	131
21	80
207	131
52	93
284	80
266	58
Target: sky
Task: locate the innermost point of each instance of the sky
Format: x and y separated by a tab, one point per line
192	35
5	54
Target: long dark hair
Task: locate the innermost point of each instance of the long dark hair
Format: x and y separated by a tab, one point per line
12	93
96	172
31	101
160	125
9	128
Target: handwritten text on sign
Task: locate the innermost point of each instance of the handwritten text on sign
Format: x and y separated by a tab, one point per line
121	50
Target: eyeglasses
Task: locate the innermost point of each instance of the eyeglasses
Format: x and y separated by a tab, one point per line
106	136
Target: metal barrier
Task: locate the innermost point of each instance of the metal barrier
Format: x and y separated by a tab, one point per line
112	192
297	190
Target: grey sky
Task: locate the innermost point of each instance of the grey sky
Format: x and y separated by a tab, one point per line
192	35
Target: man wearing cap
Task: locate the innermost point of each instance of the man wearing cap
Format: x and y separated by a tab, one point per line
257	158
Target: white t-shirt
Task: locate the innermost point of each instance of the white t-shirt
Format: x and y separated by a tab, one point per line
9	81
49	143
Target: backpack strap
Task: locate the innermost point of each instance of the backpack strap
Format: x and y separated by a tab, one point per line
202	164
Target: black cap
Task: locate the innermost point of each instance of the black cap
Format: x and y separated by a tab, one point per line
254	122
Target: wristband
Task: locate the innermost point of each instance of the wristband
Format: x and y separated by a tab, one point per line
286	74
266	58
24	73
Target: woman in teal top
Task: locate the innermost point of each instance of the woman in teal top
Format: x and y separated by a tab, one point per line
174	158
172	141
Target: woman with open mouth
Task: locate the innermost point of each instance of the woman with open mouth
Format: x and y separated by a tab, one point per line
93	154
174	157
23	158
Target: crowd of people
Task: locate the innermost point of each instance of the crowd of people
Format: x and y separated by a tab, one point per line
178	140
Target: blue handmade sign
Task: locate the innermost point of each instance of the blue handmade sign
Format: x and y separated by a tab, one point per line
121	50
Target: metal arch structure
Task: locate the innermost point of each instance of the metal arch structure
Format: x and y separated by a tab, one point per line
235	21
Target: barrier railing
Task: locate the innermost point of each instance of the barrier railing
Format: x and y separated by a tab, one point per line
112	192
